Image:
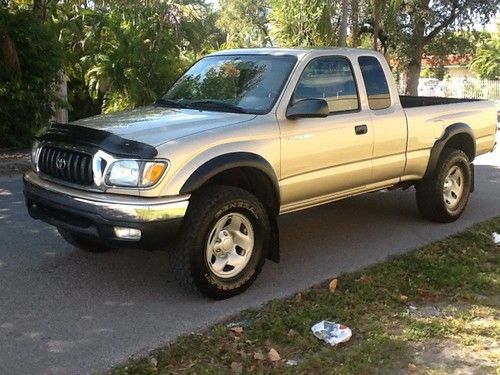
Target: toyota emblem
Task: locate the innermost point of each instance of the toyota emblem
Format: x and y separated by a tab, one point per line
60	163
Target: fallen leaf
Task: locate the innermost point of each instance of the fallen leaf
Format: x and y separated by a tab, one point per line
298	297
258	356
236	368
153	361
333	285
273	355
291	362
403	298
238	330
412	367
365	279
242	354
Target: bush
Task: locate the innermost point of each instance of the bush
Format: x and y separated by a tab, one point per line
26	90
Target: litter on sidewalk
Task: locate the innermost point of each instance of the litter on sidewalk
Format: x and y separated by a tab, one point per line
331	333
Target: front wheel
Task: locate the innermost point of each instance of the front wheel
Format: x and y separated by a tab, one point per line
221	243
443	196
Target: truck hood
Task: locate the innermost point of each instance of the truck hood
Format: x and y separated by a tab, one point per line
157	125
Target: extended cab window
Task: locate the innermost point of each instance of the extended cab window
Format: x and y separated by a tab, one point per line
376	85
329	78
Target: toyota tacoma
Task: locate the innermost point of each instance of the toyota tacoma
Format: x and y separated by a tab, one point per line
242	137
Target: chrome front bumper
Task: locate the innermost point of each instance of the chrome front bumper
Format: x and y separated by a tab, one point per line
96	214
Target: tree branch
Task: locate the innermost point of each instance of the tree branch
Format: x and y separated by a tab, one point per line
455	12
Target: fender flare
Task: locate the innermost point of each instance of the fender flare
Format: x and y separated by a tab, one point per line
439	145
229	161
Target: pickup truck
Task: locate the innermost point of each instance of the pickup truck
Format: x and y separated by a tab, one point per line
242	137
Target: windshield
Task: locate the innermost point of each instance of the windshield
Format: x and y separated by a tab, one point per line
232	83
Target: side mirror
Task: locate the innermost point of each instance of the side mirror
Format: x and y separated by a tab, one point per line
308	108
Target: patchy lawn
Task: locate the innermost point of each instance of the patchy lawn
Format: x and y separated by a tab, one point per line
432	311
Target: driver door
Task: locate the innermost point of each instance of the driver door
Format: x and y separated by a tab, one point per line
325	157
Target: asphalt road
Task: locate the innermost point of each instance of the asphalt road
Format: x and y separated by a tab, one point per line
63	311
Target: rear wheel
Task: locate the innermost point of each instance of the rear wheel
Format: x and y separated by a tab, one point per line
221	243
444	195
82	242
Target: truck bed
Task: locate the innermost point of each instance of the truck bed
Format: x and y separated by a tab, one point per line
422	101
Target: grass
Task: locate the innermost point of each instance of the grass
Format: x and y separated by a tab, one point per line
431	311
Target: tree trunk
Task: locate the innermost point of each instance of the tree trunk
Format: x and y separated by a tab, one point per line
375	35
40	9
377	11
61	109
355	23
414	68
418	42
9	54
343	24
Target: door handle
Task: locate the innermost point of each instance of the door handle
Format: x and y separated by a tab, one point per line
361	129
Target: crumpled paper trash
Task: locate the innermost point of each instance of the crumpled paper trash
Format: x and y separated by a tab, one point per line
331	333
496	238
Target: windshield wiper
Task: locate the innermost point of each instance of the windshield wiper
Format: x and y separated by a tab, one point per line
169	103
216	105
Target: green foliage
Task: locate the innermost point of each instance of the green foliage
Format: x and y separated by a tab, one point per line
487	60
455	43
128	55
304	23
130	66
26	93
245	22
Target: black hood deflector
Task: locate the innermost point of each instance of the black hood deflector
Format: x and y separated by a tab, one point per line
106	141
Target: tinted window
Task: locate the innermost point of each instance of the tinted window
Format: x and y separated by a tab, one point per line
329	78
375	83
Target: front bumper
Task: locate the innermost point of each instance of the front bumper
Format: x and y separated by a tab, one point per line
97	214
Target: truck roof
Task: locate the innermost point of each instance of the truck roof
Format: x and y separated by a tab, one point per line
299	51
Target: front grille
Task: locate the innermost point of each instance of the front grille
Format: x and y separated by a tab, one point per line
67	165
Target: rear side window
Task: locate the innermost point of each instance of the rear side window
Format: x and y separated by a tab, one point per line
376	85
329	78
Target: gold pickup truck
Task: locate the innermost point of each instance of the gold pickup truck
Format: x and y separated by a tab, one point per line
242	137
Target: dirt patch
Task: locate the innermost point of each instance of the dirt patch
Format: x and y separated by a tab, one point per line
469	341
450	356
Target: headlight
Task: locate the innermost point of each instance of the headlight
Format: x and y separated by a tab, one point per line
34	152
135	173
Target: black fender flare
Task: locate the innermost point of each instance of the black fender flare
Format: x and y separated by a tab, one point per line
439	145
232	160
228	161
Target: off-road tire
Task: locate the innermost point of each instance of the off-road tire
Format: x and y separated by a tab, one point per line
188	260
82	242
430	200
